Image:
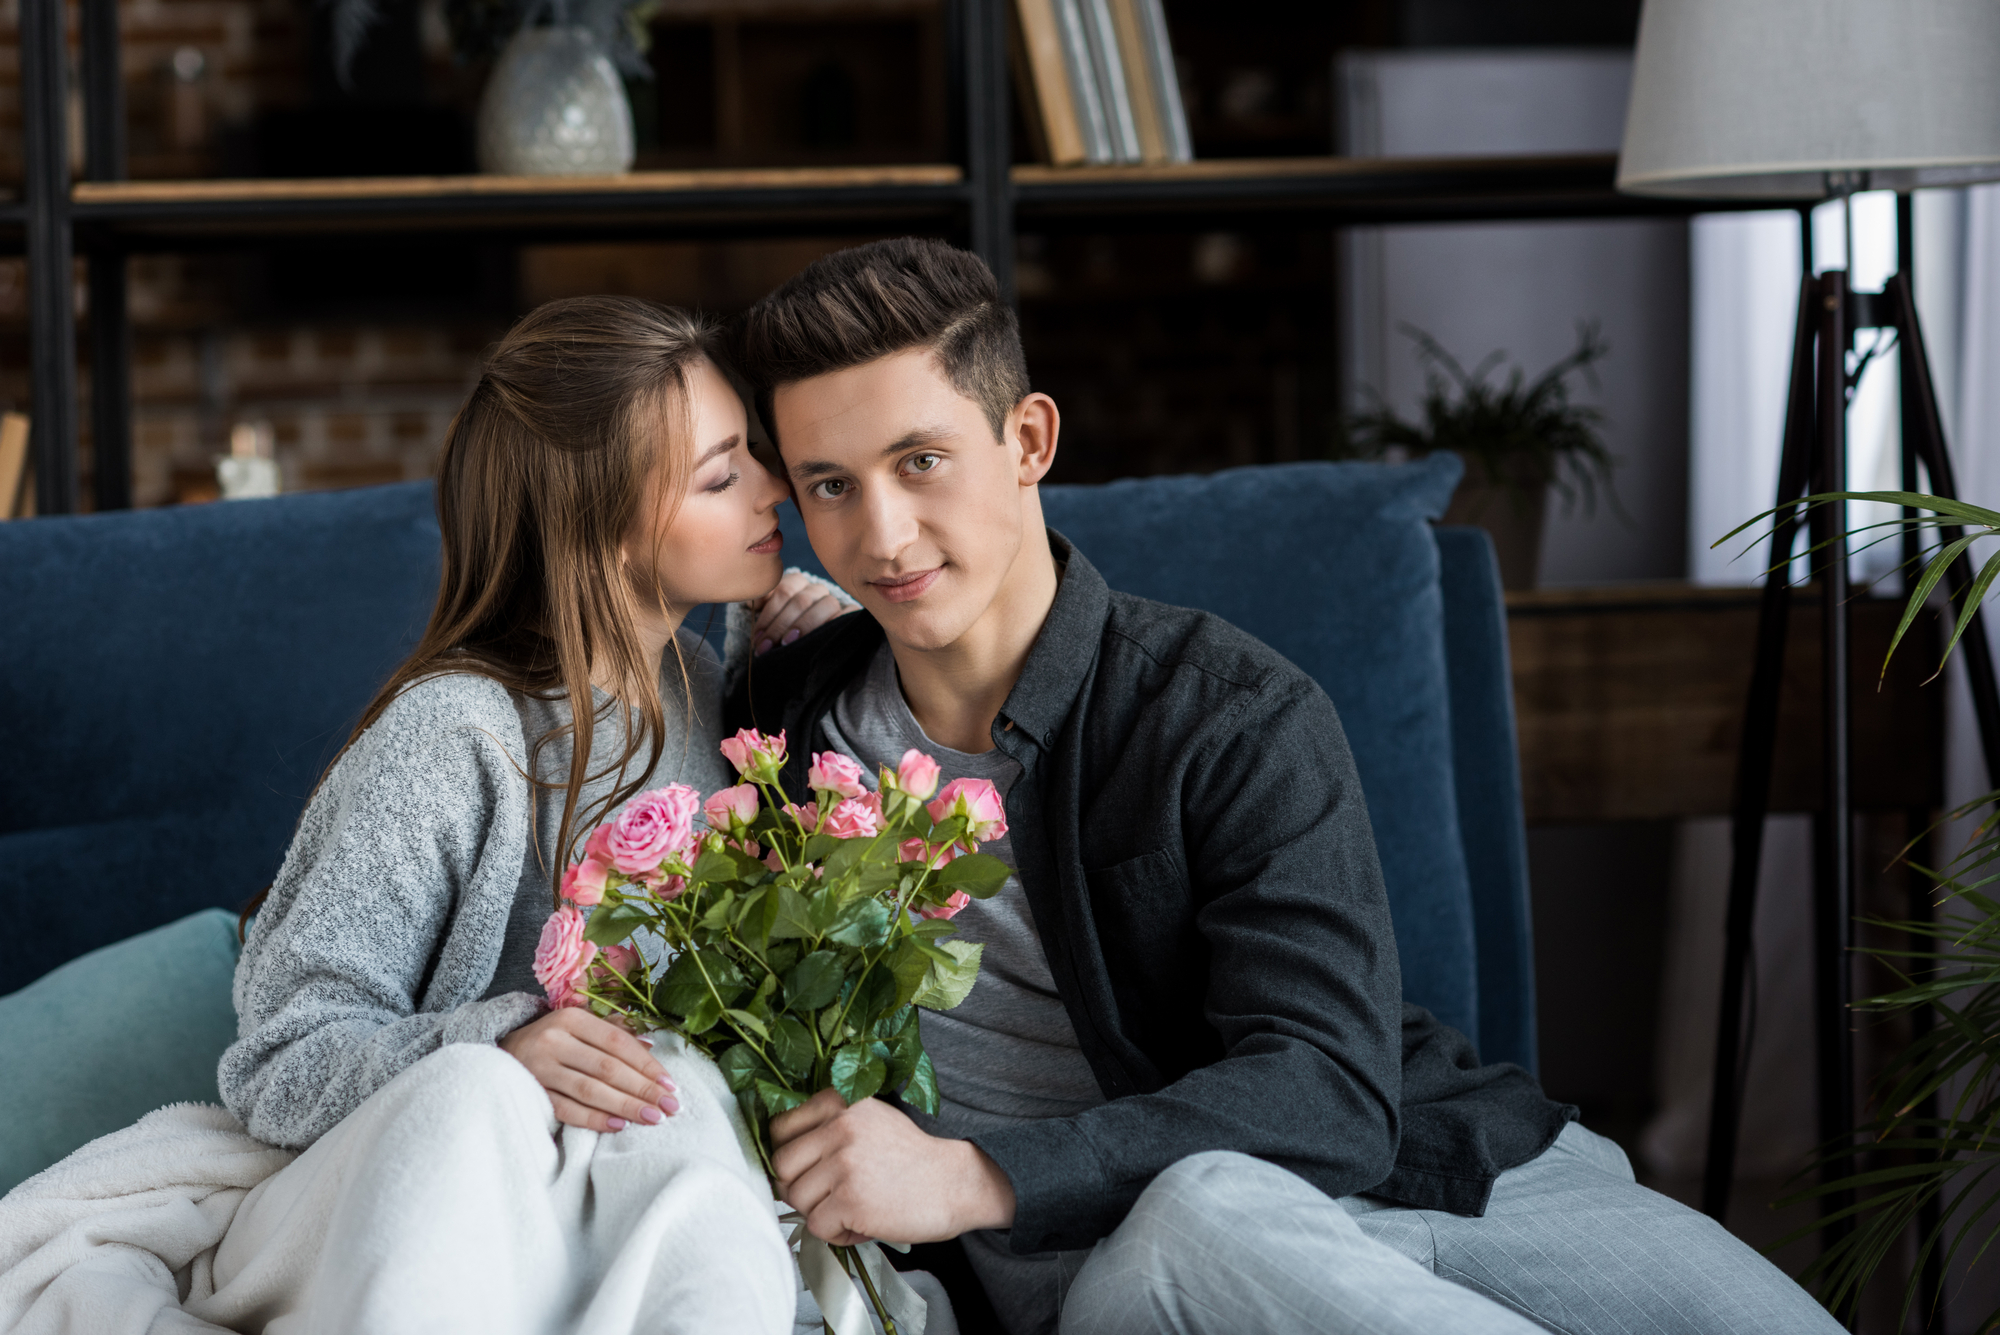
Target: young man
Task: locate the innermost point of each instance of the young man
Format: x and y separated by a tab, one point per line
1185	1094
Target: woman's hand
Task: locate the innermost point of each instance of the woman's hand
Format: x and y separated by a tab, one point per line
596	1073
800	603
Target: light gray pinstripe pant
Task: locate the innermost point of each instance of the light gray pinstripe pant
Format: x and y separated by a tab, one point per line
1223	1244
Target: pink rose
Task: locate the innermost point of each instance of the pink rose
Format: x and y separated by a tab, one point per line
854	818
807	817
833	772
949	909
915	850
978	801
751	750
583	883
731	807
596	846
917	775
652	826
562	957
615	960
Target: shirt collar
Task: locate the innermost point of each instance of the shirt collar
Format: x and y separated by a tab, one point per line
1062	654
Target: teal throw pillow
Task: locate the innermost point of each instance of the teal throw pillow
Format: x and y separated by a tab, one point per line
112	1035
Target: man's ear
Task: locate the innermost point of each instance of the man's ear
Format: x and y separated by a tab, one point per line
1035	423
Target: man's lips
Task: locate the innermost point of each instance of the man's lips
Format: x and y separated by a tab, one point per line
775	542
903	588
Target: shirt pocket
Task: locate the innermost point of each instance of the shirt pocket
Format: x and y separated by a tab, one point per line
1156	959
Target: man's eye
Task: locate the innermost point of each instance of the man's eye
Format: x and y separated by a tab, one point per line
830	488
924	463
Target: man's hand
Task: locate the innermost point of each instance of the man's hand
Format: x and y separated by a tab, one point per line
798	604
870	1172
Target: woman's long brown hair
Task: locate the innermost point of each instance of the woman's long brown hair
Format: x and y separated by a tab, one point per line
580	421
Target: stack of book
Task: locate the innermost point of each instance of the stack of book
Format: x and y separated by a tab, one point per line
1098	83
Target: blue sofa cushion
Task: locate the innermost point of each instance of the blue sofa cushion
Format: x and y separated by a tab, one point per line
1336	567
175	682
105	1039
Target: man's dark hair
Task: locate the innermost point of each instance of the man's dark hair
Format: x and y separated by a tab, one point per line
856	305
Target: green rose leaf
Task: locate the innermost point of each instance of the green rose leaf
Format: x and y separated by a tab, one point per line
740	1066
794	915
713	867
777	1098
922	1091
813	982
858	1072
792	1045
862	923
825	904
720	914
905	1047
948	984
931	927
875	996
874	878
908	966
609	926
844	854
829	1023
704	1017
750	1022
781	958
819	846
682	988
978	874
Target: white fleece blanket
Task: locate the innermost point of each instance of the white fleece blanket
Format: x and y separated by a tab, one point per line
116	1236
447	1201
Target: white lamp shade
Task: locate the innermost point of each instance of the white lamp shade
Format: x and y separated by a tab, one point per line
1763	98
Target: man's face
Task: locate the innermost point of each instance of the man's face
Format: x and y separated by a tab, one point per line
912	504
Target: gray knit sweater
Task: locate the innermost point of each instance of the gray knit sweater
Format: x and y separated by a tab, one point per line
407	911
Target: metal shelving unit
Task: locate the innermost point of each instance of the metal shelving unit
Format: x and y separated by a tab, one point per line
978	200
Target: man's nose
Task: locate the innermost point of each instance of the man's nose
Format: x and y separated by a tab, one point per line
890	520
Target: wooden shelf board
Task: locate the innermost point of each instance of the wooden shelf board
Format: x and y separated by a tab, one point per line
421	188
1248	169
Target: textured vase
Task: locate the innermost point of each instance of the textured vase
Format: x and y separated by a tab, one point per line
554	107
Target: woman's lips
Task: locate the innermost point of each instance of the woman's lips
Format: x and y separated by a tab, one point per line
775	542
907	587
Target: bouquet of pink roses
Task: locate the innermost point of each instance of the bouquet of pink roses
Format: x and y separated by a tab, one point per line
795	942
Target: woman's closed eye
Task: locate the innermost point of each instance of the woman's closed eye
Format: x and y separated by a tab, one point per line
726	483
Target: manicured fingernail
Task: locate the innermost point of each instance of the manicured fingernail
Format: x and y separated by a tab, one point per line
763	646
791	635
653	1115
647	1041
670	1085
617	1124
670	1104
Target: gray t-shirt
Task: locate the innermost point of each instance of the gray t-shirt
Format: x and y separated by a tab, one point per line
1008	1052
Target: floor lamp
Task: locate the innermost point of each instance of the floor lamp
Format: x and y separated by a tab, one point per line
1795	102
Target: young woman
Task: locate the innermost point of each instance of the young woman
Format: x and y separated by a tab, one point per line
596	485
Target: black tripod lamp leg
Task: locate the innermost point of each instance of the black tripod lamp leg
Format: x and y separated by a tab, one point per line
1753	765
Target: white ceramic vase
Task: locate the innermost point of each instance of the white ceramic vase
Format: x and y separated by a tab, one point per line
554	107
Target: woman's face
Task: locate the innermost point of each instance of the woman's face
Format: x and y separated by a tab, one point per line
723	545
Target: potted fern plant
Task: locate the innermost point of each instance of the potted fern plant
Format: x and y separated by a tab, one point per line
1519	439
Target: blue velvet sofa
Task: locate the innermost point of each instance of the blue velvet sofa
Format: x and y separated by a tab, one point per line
174	681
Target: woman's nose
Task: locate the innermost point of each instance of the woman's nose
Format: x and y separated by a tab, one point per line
776	487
